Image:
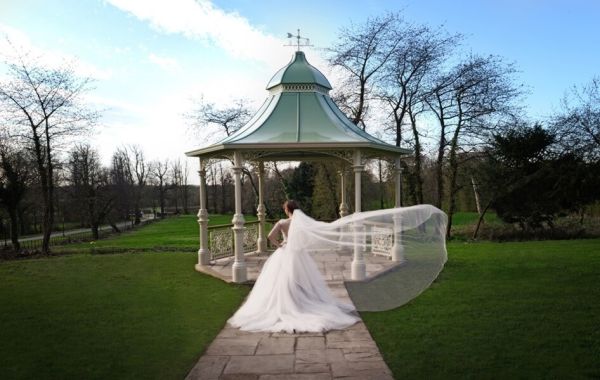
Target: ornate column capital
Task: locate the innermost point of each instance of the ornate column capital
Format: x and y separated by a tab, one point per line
358	168
202	215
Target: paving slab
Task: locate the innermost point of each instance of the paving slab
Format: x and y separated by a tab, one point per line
260	364
275	346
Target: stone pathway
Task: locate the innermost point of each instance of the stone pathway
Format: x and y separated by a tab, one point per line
337	354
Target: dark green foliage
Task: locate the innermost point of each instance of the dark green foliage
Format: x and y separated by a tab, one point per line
325	200
300	186
531	184
14	178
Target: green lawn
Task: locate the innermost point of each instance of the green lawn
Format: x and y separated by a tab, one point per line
135	316
176	233
498	310
470	218
501	310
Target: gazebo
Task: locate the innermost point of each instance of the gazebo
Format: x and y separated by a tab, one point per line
297	122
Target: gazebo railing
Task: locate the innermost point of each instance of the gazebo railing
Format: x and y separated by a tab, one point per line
221	239
381	238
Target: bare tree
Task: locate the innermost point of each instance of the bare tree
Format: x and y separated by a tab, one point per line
141	170
406	80
180	177
185	187
362	51
468	102
229	119
90	185
45	107
159	172
122	183
578	124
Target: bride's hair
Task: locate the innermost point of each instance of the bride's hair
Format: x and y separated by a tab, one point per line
291	205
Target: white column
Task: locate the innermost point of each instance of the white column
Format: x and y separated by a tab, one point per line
203	252
359	268
239	272
261	241
398	248
343	204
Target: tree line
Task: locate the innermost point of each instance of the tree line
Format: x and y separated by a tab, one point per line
47	173
462	114
421	88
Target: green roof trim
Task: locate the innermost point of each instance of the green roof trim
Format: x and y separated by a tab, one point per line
299	71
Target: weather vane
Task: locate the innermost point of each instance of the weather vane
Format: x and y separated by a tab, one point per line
300	41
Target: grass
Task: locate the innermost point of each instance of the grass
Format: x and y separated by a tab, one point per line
175	233
132	316
498	310
511	310
464	218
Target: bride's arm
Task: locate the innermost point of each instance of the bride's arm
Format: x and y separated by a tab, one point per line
274	234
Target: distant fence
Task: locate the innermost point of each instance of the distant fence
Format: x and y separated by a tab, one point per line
76	237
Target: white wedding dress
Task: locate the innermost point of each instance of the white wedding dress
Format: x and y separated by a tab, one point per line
291	295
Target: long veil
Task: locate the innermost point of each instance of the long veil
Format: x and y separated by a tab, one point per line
413	236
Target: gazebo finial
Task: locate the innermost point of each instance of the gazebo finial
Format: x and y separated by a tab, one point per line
300	41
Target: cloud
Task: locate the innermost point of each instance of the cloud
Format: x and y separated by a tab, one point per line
204	21
166	63
14	42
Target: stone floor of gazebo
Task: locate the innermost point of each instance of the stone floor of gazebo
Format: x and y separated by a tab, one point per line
334	265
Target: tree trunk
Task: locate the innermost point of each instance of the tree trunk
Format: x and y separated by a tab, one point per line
114	226
480	220
476	192
361	103
95	231
418	160
14	228
440	156
439	175
43	174
453	161
161	193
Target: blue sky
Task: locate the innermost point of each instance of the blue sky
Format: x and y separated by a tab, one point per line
151	58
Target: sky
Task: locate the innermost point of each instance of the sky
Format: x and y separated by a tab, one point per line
151	60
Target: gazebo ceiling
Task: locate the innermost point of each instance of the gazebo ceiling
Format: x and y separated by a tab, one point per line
298	121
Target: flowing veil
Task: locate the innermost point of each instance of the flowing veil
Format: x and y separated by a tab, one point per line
414	236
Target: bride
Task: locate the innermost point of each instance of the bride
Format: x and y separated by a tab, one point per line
290	293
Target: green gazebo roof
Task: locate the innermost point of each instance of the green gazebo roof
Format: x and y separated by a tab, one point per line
298	120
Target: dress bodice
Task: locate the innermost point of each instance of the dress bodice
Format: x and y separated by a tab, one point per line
283	226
